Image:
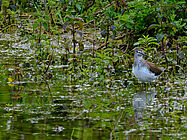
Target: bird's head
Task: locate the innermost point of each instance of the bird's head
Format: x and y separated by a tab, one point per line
139	52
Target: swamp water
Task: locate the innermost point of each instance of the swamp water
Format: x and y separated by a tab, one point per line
71	107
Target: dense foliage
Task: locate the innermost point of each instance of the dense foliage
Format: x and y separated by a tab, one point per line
122	25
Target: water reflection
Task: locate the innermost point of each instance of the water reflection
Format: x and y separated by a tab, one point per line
141	100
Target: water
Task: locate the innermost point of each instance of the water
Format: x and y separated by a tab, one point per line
75	105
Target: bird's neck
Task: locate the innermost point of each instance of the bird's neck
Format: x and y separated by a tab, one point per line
138	61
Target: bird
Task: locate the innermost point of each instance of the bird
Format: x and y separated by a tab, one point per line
144	70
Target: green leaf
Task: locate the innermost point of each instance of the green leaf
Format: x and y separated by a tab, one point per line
45	25
5	3
31	38
35	25
40	20
81	46
80	24
37	14
181	2
137	43
153	26
154	43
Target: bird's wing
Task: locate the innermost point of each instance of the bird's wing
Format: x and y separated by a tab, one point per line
153	68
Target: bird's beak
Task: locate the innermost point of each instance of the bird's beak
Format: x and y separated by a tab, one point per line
144	54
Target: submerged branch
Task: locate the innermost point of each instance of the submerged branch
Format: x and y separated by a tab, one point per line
111	133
